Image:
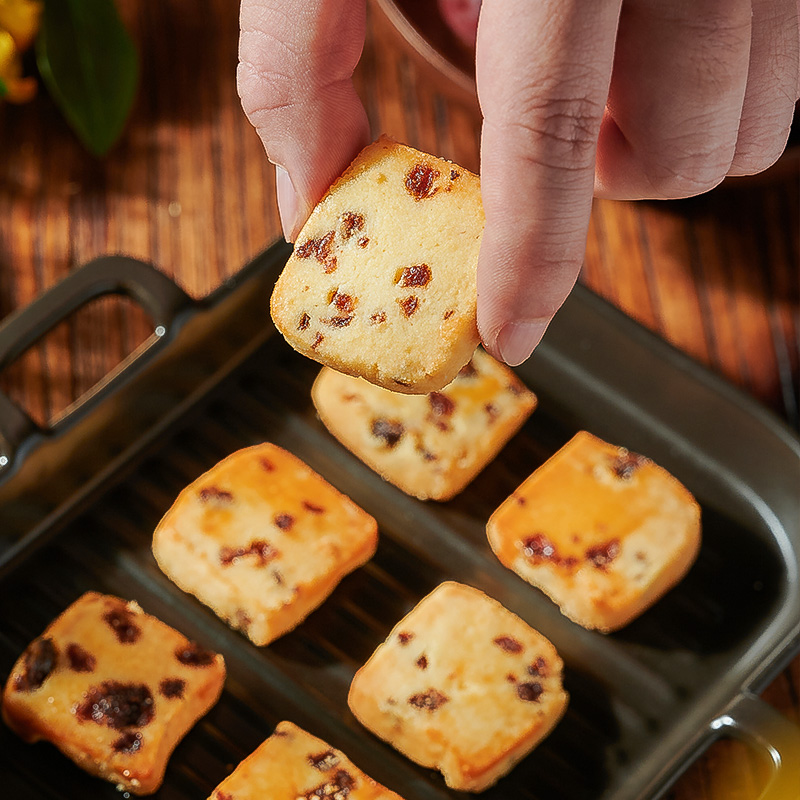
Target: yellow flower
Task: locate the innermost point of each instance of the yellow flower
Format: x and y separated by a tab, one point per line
21	19
13	87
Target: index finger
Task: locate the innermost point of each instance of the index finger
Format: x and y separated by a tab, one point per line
543	72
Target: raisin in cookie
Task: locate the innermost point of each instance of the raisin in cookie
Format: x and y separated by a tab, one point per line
604	532
462	685
382	283
113	688
430	446
294	765
263	540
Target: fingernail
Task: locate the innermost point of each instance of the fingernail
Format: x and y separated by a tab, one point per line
288	203
517	340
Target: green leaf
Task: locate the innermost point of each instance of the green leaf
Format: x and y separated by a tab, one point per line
90	67
3	88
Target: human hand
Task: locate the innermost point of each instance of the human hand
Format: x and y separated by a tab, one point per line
627	100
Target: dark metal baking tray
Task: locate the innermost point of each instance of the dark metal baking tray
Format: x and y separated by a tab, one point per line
79	502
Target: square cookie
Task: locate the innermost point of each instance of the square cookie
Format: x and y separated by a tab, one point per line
462	685
382	280
430	446
262	540
604	532
294	765
113	688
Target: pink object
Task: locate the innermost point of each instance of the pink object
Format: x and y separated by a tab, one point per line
462	18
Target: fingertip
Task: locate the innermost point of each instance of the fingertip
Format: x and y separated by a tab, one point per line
516	340
288	204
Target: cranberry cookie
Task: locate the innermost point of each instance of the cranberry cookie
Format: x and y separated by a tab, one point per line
604	532
263	540
113	688
294	765
462	685
382	281
430	446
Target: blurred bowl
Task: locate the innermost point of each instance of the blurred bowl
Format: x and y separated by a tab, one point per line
438	53
445	60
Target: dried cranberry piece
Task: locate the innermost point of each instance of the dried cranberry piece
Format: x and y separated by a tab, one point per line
626	464
404	637
284	521
538	667
313	507
531	692
409	304
318	248
80	660
508	643
120	620
429	701
351	222
267	465
130	742
441	404
454	174
40	659
420	181
344	302
217	495
324	761
305	321
422	662
172	688
118	705
602	555
317	341
335	788
363	241
378	317
339	322
263	551
193	655
415	275
389	430
539	547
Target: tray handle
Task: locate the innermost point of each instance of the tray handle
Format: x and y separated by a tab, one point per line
756	722
114	274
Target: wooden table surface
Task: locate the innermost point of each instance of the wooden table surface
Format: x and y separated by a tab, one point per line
188	188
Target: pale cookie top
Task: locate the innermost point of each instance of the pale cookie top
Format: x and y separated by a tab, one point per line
294	765
382	281
430	446
463	684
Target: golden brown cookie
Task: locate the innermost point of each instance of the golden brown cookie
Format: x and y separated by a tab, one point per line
294	765
430	446
263	540
462	685
382	282
113	688
603	531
